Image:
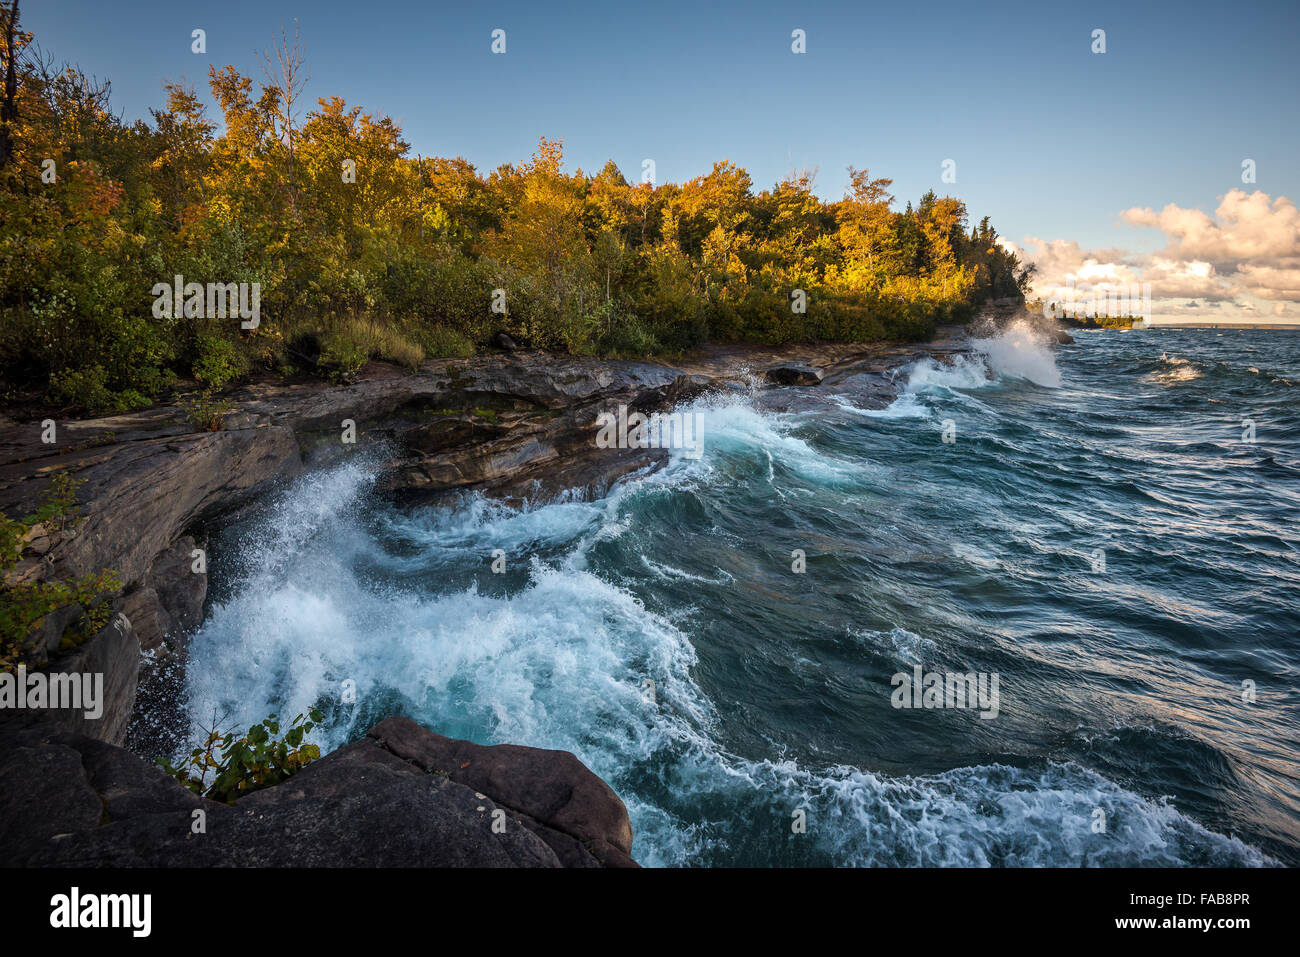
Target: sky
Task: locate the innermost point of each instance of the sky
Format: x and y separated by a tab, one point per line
1112	167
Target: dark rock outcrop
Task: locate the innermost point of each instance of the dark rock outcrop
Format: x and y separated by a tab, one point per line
794	374
69	800
552	788
168	604
144	485
110	657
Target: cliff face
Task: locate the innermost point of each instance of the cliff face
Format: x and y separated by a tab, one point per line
520	425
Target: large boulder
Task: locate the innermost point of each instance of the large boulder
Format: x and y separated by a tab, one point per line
552	788
70	801
793	373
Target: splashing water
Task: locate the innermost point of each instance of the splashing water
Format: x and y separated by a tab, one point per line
1021	351
660	634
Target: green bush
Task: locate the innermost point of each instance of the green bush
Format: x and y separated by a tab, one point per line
248	763
344	354
218	362
206	412
441	342
86	388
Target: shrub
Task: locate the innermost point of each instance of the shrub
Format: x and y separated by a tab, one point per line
631	337
207	413
391	344
347	342
85	388
250	762
440	342
218	362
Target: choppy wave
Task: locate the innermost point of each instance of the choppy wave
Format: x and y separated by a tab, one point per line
656	634
1175	369
1020	352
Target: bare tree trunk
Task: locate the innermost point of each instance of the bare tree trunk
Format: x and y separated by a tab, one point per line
286	70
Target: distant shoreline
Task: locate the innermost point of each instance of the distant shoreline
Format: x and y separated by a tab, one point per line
1273	326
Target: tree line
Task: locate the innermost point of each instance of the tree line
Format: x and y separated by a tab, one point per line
363	250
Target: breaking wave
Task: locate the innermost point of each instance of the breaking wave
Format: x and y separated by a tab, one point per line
678	582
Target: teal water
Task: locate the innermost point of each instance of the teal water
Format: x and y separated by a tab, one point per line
1120	684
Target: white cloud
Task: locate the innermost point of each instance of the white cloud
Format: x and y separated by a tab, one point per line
1249	226
1248	250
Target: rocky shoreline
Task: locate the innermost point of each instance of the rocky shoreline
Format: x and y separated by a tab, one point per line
514	426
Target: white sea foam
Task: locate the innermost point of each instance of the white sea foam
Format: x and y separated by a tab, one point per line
961	372
562	661
906	406
1020	351
1175	369
907	646
732	427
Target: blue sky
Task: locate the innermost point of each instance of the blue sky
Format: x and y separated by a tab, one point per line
1050	139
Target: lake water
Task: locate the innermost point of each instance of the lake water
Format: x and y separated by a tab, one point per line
1099	534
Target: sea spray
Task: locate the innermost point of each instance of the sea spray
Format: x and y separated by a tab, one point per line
764	700
1020	351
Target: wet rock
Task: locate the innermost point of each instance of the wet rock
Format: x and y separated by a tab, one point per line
794	375
151	621
181	590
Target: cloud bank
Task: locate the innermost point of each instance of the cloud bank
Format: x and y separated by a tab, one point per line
1242	263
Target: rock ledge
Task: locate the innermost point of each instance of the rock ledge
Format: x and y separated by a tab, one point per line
402	796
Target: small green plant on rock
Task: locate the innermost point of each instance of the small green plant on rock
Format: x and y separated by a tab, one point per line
250	762
207	413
